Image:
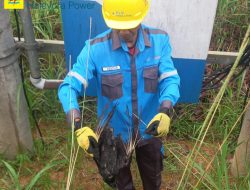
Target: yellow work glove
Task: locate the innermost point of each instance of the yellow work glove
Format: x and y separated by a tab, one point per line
87	139
159	125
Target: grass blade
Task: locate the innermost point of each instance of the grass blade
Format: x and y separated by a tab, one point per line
13	175
39	174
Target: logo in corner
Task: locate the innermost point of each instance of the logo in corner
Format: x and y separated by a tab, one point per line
13	4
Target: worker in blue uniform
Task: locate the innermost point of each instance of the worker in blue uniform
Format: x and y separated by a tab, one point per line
134	71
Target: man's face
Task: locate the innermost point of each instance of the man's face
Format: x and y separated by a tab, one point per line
129	36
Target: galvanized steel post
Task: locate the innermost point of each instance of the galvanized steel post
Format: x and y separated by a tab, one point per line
31	46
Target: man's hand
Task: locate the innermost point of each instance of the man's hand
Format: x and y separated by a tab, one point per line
87	139
159	125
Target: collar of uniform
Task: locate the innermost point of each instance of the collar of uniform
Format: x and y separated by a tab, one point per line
142	40
116	43
145	34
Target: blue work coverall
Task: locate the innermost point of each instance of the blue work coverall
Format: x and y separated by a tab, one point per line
137	84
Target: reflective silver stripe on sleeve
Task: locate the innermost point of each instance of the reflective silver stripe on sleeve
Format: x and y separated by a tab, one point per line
78	77
167	74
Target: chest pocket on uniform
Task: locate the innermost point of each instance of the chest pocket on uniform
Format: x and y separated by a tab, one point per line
150	75
112	86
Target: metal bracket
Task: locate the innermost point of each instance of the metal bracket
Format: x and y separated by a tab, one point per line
30	46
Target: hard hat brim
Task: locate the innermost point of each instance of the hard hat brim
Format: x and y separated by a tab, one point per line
122	25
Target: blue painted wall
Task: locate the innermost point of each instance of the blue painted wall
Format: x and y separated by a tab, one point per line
191	72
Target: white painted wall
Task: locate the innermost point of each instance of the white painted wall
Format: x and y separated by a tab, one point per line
189	24
99	1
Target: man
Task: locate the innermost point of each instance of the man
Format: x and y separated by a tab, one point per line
134	72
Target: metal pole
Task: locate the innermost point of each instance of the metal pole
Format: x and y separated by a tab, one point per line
15	132
30	42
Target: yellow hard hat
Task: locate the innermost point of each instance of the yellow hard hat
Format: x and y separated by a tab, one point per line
124	14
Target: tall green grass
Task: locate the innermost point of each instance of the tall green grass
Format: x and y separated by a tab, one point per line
231	22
